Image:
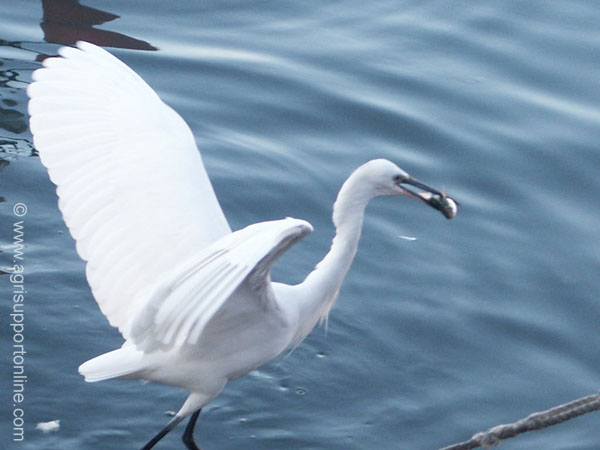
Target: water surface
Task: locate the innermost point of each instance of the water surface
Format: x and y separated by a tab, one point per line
479	321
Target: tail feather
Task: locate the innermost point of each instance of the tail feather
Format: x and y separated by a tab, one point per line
124	362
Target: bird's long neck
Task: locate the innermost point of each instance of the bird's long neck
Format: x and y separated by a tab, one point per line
321	286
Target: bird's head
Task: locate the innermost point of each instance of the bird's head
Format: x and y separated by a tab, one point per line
386	178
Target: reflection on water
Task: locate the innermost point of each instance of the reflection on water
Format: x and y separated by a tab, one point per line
63	22
13	118
66	22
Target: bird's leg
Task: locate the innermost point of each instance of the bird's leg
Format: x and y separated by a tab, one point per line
172	424
188	434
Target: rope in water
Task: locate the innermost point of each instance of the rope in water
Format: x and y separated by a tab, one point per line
535	421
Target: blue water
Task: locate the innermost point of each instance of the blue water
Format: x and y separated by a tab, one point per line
479	321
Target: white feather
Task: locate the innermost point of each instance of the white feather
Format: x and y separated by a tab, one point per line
132	186
173	311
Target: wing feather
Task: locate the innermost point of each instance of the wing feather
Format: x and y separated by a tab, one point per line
131	183
175	311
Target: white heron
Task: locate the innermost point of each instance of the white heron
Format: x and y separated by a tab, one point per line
193	300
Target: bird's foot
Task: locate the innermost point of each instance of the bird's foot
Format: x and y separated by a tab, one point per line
188	434
189	442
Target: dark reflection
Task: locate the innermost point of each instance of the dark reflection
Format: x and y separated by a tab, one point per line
13	112
12	120
66	22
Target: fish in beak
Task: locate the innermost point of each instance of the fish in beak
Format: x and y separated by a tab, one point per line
434	198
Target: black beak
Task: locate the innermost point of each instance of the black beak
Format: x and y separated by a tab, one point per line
416	183
432	197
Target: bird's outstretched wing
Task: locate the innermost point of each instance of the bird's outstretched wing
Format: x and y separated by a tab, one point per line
131	183
174	310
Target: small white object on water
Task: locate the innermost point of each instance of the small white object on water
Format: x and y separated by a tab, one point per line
48	427
407	238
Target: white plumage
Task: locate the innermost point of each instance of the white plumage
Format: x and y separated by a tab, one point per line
193	300
127	170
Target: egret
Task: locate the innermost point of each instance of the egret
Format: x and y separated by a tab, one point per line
193	300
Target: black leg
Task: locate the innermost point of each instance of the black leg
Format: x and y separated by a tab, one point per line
188	434
172	424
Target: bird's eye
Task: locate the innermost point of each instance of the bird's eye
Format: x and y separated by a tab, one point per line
398	178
